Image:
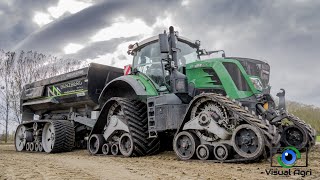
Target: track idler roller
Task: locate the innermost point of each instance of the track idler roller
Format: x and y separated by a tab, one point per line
36	146
126	145
78	144
300	134
248	141
294	136
204	152
221	152
106	149
115	149
40	148
185	144
95	143
28	146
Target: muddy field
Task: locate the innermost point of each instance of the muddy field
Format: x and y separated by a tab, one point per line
80	165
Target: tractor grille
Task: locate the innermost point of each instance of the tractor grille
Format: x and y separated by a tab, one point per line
213	75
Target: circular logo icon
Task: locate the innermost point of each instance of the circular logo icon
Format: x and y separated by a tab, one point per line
289	157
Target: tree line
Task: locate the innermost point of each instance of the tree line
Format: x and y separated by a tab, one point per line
308	113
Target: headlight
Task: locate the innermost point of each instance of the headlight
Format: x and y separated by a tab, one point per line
257	83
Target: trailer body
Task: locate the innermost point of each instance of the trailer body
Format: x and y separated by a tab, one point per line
67	100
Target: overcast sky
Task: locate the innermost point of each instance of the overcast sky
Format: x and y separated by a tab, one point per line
285	33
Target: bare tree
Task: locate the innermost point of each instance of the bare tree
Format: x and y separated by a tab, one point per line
5	72
17	70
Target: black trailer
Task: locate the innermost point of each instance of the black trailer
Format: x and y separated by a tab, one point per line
59	112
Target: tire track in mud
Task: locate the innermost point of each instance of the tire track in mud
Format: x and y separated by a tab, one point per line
74	165
81	165
35	166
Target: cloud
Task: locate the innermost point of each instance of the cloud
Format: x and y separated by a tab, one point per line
16	20
122	28
72	48
42	18
71	6
284	33
80	27
94	49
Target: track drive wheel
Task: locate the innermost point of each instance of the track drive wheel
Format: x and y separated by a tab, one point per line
185	144
248	141
95	143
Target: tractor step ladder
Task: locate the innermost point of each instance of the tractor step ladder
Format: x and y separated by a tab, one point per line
151	119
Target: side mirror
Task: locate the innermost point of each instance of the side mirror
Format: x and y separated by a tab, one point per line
164	44
203	52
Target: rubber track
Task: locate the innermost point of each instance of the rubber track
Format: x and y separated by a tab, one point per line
137	120
64	136
271	133
311	132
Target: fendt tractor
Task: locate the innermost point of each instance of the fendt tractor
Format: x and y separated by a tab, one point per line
216	109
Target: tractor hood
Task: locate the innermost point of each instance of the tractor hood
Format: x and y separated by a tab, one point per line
236	77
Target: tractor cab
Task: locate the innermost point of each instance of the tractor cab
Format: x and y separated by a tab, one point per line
148	59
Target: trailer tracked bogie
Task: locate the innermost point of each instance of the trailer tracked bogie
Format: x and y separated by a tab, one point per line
49	136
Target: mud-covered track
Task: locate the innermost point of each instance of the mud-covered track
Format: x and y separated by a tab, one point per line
311	133
134	115
271	134
56	136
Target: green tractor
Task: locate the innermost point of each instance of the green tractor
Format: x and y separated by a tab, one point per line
216	109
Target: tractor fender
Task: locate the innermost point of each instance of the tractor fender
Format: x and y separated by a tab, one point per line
123	86
187	115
